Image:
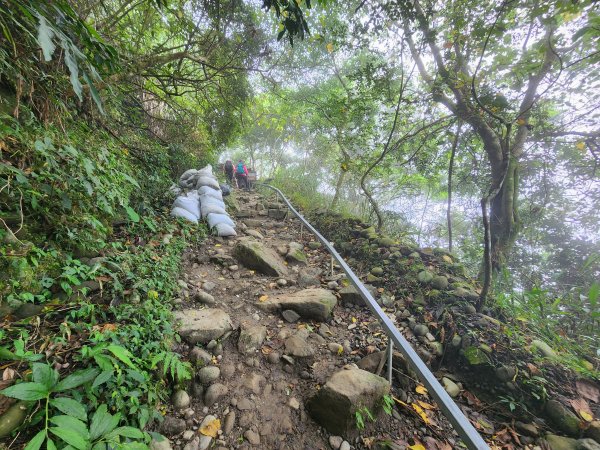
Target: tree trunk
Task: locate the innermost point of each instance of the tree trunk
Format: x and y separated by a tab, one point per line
450	172
338	189
504	219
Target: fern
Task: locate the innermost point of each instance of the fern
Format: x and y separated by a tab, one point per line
180	371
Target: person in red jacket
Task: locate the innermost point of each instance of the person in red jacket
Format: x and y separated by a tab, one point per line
241	175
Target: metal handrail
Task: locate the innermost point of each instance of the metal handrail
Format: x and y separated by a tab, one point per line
461	424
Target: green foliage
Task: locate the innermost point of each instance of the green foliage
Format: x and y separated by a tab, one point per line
65	419
361	415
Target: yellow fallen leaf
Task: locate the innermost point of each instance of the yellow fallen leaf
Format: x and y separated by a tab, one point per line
426	405
420	389
420	412
263	298
221	278
217	245
580	145
330	47
397	400
354	320
211	428
586	416
416	447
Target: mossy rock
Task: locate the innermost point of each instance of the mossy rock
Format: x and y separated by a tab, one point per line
425	277
565	420
377	271
385	241
440	282
475	356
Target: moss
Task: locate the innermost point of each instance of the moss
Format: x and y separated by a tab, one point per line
475	356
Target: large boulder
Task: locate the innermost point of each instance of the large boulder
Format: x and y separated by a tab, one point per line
314	304
347	391
563	418
350	295
255	255
202	325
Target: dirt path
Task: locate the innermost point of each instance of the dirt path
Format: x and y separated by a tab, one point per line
259	395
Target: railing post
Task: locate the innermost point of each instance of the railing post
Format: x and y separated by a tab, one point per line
390	359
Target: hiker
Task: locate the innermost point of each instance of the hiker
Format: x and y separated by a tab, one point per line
241	174
228	169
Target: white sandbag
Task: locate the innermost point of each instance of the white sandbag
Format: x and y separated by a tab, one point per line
215	219
180	212
187	174
225	189
188	202
207	181
210	191
207	170
225	230
208	200
207	208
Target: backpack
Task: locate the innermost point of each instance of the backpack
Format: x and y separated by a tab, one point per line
240	168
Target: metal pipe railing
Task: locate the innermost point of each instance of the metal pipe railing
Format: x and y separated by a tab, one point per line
461	424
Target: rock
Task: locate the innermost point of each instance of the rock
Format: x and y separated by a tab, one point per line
334	348
245	404
439	283
252	436
282	282
209	286
309	277
385	241
563	418
208	374
188	435
201	326
560	443
200	357
332	285
254	255
451	387
205	441
469	309
160	443
180	399
294	403
229	422
505	373
587	444
371	362
543	348
424	276
313	245
205	298
254	233
251	339
420	330
194	444
593	430
314	304
377	271
171	426
475	356
295	254
350	296
334	405
345	446
253	382
297	346
335	442
290	316
12	418
273	357
214	393
527	429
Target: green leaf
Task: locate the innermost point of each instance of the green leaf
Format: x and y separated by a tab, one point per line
133	216
45	374
37	441
103	422
70	437
104	362
7	355
73	424
26	391
122	354
70	407
593	294
76	379
102	378
50	445
45	35
129	432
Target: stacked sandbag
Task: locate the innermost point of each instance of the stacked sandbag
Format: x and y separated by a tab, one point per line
204	200
187	206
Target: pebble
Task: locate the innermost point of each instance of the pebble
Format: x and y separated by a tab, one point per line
332	285
189	413
252	437
335	442
229	422
188	435
345	446
234	267
207	375
209	286
324	330
180	399
213	393
290	316
336	349
199	355
273	357
294	403
162	444
352	326
420	330
282	282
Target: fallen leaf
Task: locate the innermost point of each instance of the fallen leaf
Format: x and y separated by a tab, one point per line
585	416
421	413
397	400
354	320
533	370
426	405
471	399
330	47
266	350
588	390
580	404
8	374
417	447
218	245
211	428
420	389
263	298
